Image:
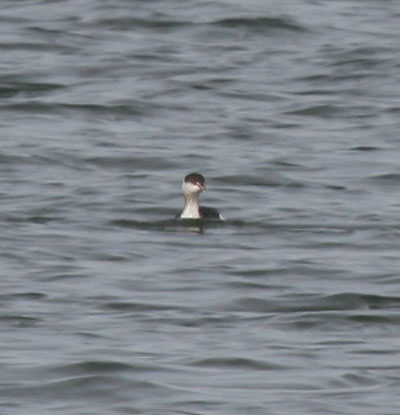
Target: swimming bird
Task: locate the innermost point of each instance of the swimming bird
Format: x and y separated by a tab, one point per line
192	185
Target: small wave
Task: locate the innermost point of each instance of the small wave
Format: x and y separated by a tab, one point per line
136	307
365	148
36	47
59	108
271	179
25	296
251	226
317	303
252	23
237	362
198	226
130	163
319	111
92	367
391	179
27	89
130	23
260	23
19	320
96	387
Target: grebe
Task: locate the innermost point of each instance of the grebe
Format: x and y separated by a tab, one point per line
192	185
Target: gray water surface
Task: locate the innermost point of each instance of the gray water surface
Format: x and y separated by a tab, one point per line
110	306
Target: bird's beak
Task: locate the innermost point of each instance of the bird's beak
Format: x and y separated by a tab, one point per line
201	186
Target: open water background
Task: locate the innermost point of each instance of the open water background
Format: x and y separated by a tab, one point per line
291	111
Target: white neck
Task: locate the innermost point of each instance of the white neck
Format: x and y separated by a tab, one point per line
191	210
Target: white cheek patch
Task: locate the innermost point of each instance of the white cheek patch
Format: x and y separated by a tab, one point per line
190	188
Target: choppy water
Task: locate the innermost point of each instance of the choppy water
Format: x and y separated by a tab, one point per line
291	111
